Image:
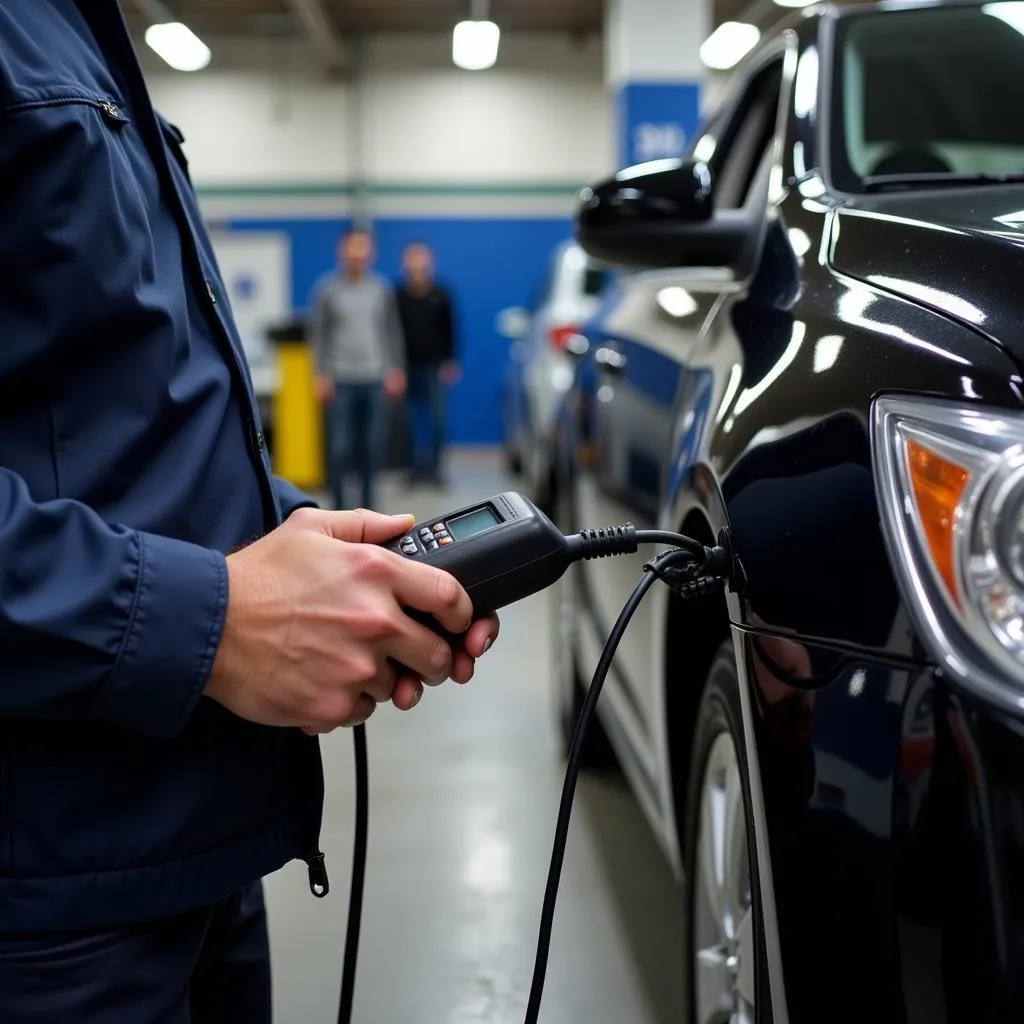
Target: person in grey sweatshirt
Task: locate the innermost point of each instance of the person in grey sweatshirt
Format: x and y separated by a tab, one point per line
356	336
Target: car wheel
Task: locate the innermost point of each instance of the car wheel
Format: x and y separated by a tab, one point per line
546	486
513	461
725	953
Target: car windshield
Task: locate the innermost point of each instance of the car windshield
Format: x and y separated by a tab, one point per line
929	93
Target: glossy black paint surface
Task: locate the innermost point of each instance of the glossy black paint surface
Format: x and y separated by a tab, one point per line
896	827
894	804
956	251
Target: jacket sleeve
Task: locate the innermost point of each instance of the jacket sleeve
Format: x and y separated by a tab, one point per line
450	342
99	621
290	497
394	333
318	329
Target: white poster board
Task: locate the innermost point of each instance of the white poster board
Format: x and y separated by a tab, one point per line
256	268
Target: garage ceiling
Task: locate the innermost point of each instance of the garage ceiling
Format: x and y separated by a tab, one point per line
221	17
338	18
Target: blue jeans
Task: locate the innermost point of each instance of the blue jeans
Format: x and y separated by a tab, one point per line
207	966
357	418
425	402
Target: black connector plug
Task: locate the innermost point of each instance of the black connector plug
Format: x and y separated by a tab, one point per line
608	541
718	562
603	543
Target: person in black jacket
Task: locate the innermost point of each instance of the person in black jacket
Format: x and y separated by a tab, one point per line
428	326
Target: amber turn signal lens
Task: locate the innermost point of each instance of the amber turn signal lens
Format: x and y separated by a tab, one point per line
938	485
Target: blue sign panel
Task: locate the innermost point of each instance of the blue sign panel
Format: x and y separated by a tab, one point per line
657	120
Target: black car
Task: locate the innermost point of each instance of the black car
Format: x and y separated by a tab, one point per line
817	345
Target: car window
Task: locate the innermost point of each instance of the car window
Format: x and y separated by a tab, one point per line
594	280
747	138
928	91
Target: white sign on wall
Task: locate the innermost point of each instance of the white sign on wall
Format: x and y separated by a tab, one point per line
256	268
658	140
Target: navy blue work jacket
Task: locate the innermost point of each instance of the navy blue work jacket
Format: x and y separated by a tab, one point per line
131	461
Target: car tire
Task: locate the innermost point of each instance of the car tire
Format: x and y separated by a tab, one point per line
513	462
546	490
724	949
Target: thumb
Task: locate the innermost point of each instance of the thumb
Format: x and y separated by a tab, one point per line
361	526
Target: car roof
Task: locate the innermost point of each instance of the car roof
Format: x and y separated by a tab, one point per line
805	20
833	9
846	8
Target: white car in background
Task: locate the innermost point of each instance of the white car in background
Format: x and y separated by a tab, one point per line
541	363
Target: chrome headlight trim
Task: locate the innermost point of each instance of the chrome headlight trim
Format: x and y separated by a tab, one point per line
973	649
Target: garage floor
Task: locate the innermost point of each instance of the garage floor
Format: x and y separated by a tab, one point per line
464	793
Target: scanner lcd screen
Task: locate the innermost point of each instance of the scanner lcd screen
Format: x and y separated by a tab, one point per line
472	523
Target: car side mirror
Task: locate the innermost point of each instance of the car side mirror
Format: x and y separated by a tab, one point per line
513	323
661	214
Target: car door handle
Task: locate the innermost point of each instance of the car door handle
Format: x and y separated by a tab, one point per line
611	361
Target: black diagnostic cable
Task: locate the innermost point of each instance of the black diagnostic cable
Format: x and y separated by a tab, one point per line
355	902
691	569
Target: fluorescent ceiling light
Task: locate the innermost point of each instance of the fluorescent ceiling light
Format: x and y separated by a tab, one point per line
794	3
178	45
1012	13
729	44
475	44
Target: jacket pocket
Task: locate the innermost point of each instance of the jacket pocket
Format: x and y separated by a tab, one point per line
107	108
75	223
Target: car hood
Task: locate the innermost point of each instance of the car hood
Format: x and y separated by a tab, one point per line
960	252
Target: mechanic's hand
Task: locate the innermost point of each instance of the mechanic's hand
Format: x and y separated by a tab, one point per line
315	626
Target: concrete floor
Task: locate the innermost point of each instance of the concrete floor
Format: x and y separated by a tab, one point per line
464	793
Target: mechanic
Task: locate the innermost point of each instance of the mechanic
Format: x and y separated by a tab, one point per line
177	625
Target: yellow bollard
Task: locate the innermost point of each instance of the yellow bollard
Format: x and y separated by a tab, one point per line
298	447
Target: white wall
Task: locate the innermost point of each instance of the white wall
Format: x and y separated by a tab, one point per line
262	114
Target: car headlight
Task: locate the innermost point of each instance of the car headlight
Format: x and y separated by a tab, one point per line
950	482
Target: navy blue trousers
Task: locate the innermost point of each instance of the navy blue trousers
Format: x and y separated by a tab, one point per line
357	422
425	401
210	966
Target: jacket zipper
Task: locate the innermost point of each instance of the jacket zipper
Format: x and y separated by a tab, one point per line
111	112
319	884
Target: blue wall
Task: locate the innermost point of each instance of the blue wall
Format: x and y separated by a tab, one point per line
656	120
487	263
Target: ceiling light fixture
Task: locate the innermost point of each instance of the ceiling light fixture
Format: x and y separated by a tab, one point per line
1011	13
475	41
178	45
729	44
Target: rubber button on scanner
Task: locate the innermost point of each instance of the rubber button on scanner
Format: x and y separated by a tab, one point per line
444	540
425	531
439	528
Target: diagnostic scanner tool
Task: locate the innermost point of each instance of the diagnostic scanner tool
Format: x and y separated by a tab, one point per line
501	550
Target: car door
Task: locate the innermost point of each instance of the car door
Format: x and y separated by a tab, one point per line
640	348
522	354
